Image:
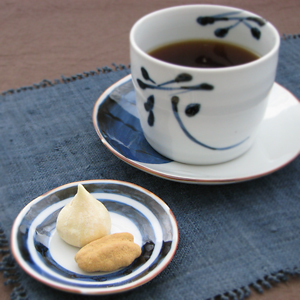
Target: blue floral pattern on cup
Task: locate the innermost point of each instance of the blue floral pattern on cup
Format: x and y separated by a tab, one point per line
191	109
183	77
235	20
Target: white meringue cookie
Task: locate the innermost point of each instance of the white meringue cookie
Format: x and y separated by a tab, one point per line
83	220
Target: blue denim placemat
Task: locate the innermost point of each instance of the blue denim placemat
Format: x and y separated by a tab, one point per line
231	236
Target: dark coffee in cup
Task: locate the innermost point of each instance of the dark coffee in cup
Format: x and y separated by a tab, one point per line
203	54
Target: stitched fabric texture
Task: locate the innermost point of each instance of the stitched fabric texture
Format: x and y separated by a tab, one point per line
230	236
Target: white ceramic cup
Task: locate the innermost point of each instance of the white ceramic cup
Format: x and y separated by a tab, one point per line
202	115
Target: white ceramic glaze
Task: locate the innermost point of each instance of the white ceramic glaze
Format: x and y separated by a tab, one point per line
232	100
277	143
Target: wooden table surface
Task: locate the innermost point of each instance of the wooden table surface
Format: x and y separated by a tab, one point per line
46	39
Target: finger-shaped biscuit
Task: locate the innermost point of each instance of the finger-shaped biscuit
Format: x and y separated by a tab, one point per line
108	253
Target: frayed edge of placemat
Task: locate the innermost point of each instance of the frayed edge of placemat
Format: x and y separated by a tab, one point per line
46	83
290	36
260	286
8	268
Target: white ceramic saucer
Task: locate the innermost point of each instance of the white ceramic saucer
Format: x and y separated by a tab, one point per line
117	123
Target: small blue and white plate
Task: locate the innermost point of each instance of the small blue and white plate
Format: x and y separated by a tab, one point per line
117	123
41	253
